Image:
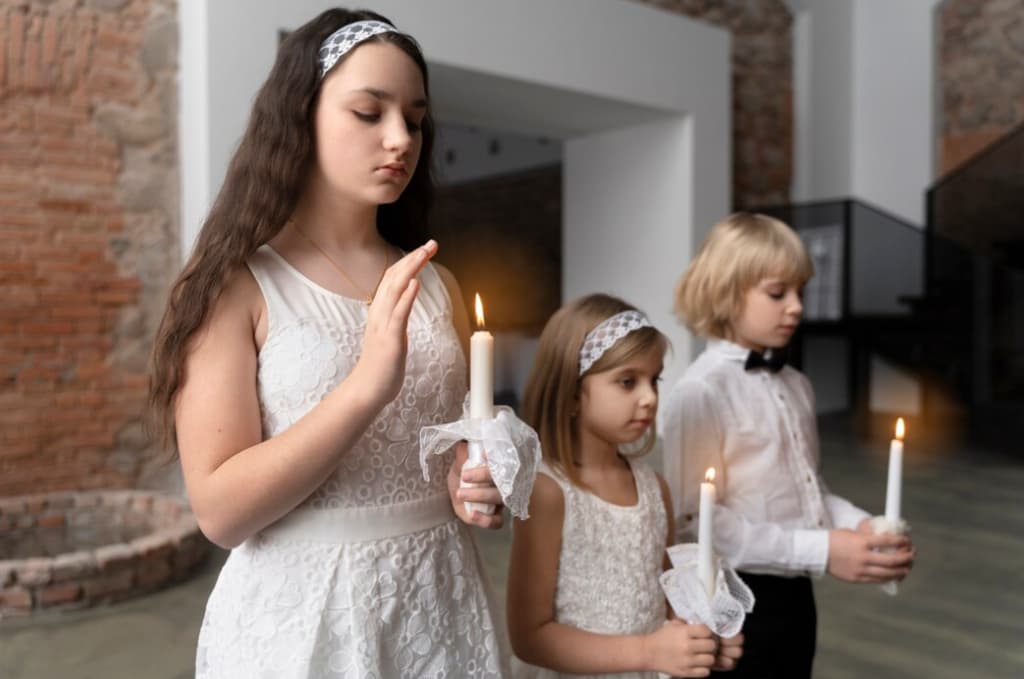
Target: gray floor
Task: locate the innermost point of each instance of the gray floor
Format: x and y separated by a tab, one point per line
961	613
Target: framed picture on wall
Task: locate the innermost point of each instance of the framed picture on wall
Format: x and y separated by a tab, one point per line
823	294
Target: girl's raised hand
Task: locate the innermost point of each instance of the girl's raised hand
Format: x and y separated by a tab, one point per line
381	366
681	649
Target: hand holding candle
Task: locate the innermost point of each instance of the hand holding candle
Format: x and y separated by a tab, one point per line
705	546
504	451
481	395
892	522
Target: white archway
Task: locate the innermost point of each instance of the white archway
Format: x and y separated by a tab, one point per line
640	96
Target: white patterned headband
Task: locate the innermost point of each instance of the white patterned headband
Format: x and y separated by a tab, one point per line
607	333
345	38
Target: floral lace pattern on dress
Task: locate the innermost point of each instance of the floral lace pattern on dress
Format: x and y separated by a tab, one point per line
611	559
609	565
319	610
409	605
307	358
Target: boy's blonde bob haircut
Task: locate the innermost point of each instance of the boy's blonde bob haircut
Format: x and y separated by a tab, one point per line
739	252
551	397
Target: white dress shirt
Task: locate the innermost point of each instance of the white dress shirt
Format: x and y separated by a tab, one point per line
758	430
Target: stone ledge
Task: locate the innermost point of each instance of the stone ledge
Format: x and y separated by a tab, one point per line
168	550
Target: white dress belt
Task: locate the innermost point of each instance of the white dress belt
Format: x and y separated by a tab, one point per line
360	524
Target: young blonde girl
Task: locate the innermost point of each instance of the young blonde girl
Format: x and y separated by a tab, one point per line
583	592
739	409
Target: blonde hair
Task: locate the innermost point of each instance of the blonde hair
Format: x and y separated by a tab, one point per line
553	386
739	252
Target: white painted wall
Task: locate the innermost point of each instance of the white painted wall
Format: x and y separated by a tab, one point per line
827	131
893	113
864	100
193	121
803	148
627	200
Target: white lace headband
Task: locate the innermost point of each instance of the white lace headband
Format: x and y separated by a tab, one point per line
607	333
345	38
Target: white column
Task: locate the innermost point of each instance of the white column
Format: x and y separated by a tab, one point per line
864	100
194	120
893	111
631	199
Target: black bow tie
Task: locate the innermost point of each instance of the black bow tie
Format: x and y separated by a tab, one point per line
775	360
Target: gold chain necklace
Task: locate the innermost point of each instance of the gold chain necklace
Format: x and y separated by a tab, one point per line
368	296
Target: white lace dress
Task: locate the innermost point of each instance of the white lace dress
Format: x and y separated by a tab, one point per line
372	576
609	565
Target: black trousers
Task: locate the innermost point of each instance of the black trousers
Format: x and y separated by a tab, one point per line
780	634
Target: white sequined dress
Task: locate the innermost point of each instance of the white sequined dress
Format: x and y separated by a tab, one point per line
372	576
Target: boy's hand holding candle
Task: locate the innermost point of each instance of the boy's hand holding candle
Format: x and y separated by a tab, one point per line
892	522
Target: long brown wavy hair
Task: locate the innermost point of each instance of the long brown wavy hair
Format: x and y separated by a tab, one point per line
264	181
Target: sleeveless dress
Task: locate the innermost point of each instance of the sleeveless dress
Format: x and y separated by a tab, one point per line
372	576
609	565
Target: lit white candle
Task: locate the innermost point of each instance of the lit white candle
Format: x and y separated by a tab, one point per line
481	395
894	486
481	369
705	547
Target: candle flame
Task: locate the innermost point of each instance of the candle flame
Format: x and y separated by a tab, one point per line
899	429
709	475
479	313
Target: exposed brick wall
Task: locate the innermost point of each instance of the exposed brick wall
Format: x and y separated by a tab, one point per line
88	223
502	237
762	93
981	75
